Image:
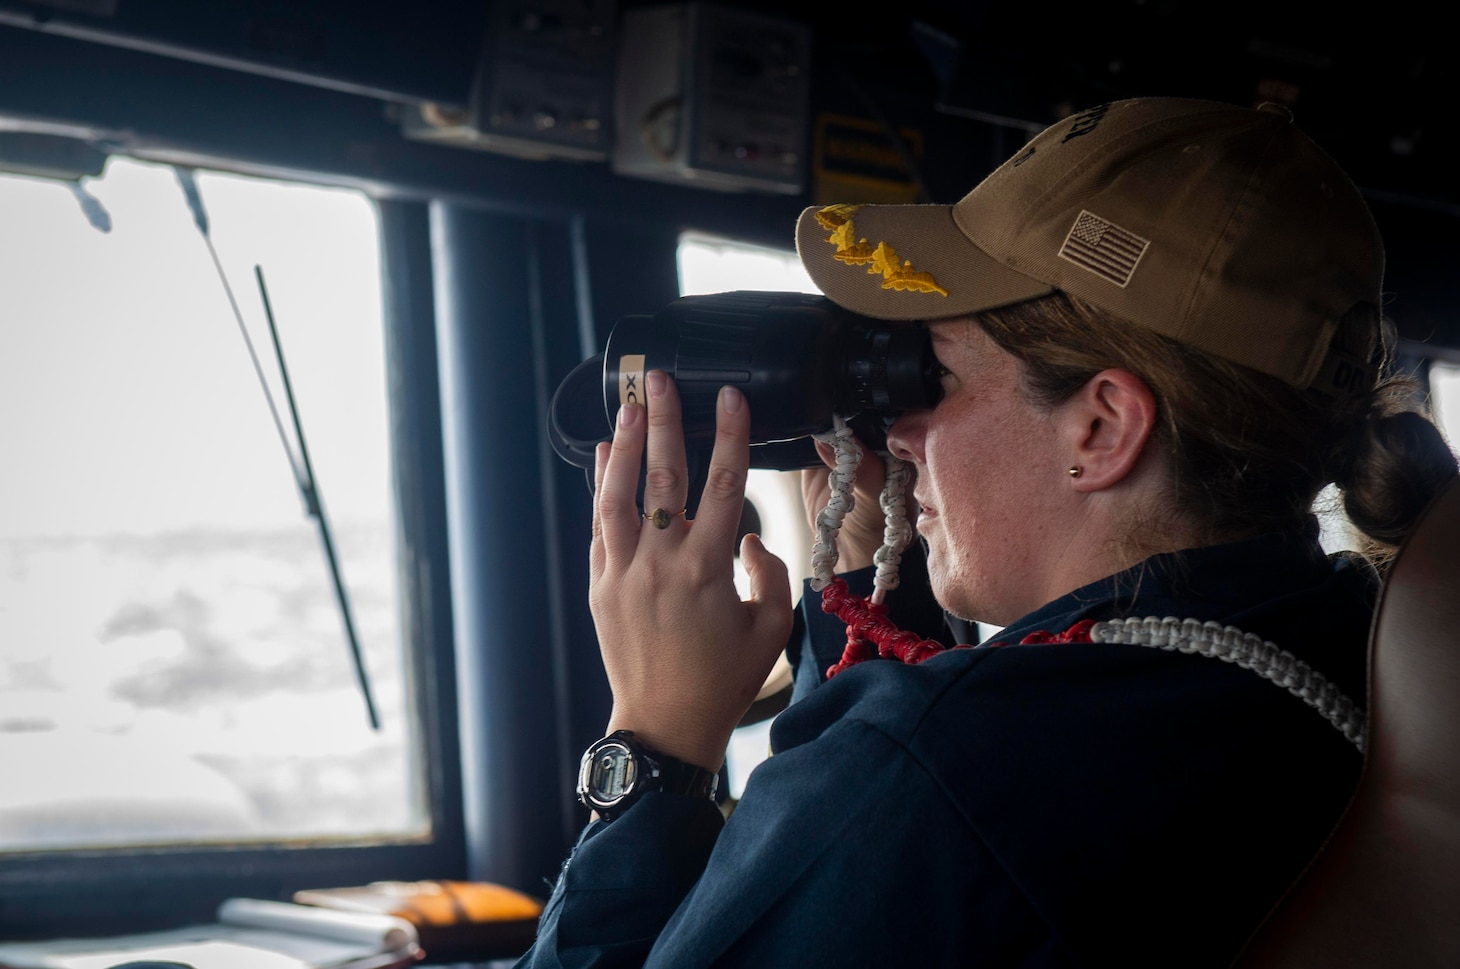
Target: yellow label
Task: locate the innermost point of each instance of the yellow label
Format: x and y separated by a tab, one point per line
854	158
631	379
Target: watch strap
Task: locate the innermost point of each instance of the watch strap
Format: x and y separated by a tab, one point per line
677	777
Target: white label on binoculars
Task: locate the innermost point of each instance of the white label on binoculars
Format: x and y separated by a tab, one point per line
631	379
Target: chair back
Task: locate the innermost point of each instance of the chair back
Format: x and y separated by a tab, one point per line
1385	889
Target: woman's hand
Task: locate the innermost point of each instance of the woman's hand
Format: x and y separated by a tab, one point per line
684	655
861	532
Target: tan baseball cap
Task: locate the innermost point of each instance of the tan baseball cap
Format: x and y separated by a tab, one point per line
1222	227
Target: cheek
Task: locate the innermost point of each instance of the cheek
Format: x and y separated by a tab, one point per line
951	467
972	450
990	479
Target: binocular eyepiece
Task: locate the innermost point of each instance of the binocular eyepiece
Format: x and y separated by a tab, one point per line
800	360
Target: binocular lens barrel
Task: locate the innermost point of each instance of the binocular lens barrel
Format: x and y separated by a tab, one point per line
799	359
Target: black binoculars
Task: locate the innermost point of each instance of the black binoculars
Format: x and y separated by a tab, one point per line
801	361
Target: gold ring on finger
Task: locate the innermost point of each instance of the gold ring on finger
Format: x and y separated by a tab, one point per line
661	518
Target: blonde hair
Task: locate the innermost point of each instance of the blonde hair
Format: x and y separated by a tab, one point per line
1248	453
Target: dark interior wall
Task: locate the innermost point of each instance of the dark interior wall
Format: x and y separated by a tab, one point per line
160	107
1374	86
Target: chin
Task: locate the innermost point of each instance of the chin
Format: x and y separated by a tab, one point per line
951	595
956	596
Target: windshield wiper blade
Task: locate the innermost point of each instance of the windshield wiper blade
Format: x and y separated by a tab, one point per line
302	469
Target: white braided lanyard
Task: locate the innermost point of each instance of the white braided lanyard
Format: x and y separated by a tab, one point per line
1247	650
897	531
1210	639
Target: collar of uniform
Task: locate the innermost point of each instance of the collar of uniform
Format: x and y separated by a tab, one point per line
1209	583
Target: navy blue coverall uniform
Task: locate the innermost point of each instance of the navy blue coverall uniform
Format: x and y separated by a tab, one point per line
1013	805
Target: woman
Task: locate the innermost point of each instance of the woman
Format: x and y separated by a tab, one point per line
1159	335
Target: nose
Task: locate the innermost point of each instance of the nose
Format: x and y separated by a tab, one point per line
905	436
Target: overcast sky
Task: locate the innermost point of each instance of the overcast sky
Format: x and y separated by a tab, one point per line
129	400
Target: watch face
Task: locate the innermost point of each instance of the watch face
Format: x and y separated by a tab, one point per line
609	773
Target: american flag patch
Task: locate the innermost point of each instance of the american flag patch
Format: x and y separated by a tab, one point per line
1103	248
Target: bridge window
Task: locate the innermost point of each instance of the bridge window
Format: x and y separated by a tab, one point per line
174	663
1445	387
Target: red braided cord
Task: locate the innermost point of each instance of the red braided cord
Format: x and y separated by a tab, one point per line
870	633
1078	633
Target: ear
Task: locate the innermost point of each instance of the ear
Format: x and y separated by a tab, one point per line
1109	421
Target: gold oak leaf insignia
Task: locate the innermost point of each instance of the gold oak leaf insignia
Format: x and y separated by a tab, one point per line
833	216
900	275
850	249
897	274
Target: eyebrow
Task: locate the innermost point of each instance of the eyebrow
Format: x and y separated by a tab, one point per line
942	334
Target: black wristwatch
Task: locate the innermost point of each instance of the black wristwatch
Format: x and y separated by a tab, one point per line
618	770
